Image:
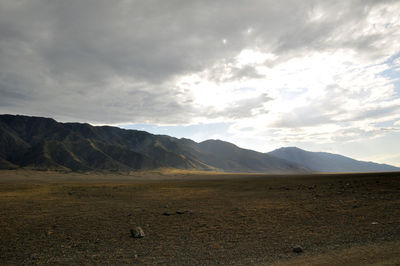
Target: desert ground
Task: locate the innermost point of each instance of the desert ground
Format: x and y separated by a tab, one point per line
194	218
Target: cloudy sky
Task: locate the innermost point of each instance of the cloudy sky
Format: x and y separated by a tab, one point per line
320	75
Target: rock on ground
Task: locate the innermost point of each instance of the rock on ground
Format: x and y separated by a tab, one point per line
137	232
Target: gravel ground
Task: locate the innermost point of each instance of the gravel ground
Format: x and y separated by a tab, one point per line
47	218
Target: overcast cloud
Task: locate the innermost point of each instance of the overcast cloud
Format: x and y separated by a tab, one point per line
278	72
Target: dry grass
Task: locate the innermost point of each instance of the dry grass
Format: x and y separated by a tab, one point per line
56	218
367	254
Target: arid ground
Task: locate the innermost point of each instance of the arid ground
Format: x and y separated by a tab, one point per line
198	218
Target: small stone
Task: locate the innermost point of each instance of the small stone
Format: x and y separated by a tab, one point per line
34	256
297	249
137	232
166	214
129	214
180	212
374	223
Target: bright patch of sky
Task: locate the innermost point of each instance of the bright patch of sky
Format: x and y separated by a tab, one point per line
197	133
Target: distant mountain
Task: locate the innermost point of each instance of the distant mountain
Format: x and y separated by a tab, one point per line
225	155
43	143
328	162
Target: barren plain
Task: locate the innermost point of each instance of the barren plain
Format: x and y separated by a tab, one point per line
195	218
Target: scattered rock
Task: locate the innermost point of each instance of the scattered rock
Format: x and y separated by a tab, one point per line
166	213
184	212
297	249
374	223
34	256
137	232
129	214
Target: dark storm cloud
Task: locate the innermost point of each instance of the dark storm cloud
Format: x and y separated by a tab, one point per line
115	61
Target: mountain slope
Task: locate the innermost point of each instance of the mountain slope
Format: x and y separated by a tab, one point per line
227	155
43	143
328	162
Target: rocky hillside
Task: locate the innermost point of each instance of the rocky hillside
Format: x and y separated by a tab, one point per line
328	162
43	143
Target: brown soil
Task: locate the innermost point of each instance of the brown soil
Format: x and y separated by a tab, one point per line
68	219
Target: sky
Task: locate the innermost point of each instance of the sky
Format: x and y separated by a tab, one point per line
320	75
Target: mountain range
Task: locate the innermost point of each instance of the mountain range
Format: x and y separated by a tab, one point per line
43	143
328	162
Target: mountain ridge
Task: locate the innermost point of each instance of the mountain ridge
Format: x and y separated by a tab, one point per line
43	143
328	162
